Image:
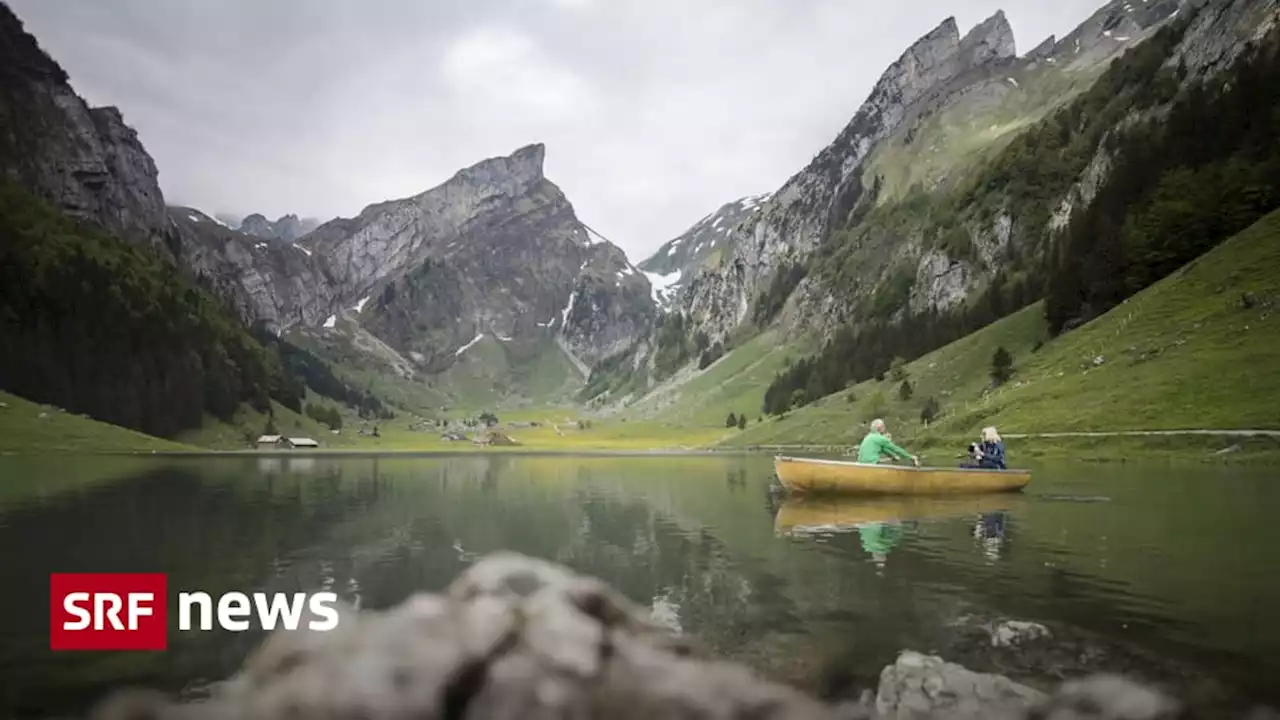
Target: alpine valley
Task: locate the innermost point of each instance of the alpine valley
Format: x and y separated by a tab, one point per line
974	187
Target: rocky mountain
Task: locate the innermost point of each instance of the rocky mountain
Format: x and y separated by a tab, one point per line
91	165
951	196
100	309
287	228
899	140
494	251
85	160
271	280
708	242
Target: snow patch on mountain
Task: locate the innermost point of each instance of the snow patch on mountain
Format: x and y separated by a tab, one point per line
469	345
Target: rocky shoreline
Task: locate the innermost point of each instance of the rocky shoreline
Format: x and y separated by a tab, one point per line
515	637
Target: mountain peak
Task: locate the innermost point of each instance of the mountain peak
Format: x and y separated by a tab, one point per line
529	160
991	39
534	153
519	170
21	54
949	27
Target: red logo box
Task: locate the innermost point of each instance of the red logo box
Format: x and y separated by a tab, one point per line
108	611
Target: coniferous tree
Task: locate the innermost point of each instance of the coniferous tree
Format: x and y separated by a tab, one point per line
930	411
1001	366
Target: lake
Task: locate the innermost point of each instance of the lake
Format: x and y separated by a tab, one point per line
1167	573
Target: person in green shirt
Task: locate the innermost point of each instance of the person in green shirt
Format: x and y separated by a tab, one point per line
876	444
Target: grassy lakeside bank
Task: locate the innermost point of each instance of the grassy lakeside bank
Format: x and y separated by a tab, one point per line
28	427
72	435
1183	449
935	451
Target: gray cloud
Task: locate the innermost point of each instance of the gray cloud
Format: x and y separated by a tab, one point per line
654	112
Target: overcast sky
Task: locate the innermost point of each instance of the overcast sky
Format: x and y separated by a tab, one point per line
654	112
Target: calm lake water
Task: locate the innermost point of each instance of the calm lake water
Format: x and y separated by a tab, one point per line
1170	574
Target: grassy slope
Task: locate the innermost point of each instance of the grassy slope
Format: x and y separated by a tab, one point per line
487	375
952	374
1181	354
248	424
490	374
734	384
970	131
365	370
22	430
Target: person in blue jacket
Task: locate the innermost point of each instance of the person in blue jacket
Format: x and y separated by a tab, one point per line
990	453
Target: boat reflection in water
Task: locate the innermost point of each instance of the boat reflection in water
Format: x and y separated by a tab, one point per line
881	522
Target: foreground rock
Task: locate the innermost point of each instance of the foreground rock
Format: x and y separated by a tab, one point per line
1010	633
515	637
921	684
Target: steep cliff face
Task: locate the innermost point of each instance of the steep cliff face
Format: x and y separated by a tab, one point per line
709	242
393	237
610	306
264	280
495	251
92	165
88	162
1220	31
803	211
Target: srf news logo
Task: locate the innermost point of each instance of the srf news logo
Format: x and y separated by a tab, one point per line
129	611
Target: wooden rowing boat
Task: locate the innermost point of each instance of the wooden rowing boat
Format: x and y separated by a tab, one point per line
806	515
809	475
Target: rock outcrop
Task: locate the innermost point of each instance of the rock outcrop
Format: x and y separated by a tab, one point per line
393	237
1215	37
515	637
264	280
287	228
708	241
612	306
86	161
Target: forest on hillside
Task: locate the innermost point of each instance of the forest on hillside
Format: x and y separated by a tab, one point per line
1181	182
99	326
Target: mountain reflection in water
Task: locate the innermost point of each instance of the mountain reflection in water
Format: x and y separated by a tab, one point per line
1175	572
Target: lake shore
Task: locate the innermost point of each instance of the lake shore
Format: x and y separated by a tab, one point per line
28	428
933	452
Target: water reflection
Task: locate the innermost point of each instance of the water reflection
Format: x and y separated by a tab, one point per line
790	585
882	523
990	531
803	516
878	538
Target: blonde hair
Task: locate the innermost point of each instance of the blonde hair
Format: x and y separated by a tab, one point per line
990	435
878	425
